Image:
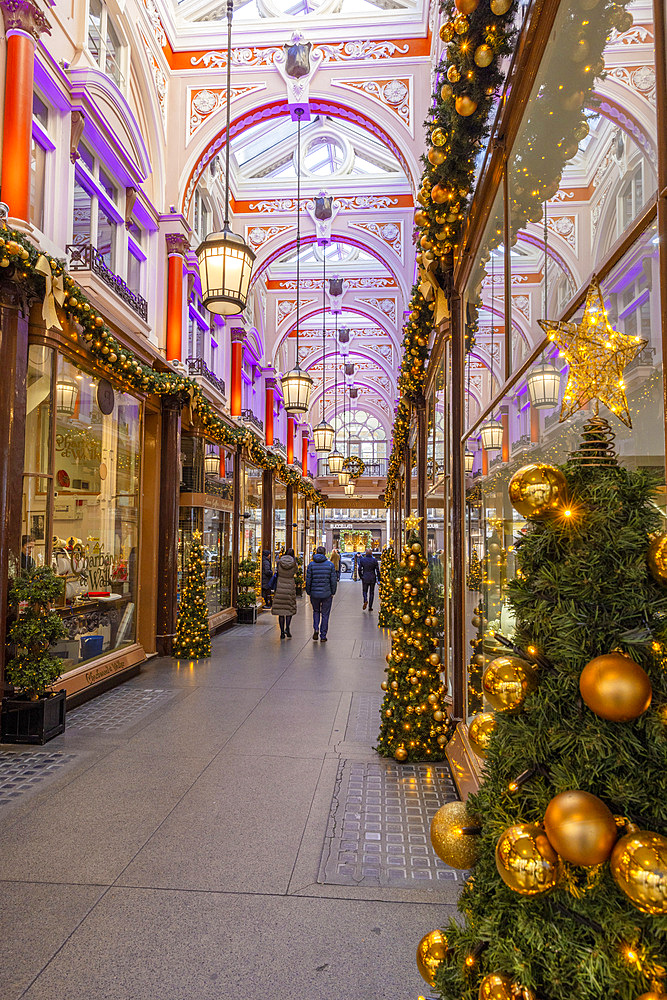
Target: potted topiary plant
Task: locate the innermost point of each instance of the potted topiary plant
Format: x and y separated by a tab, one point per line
299	580
35	713
246	602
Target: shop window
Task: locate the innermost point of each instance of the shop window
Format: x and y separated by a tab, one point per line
41	147
630	200
83	215
136	258
97	219
104	42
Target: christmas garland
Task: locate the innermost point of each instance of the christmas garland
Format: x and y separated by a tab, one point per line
31	265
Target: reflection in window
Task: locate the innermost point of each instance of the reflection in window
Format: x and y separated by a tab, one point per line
104	43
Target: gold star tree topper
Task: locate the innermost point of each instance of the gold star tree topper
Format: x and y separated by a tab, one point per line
597	355
412	522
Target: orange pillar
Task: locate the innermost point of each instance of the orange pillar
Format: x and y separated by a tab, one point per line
270	385
304	451
290	440
534	424
237	372
505	420
177	246
24	23
485	462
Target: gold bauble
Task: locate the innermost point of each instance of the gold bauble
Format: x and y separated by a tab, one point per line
461	24
394	685
421	218
657	558
653	996
432	950
580	132
483	55
537	490
466	6
439	194
465	106
623	21
434	659
438	716
500	7
416	547
426	243
383	685
436	156
406	619
432	699
456	849
615	687
400	753
507	681
496	986
526	861
639	866
446	32
580	828
446	92
438	137
479	732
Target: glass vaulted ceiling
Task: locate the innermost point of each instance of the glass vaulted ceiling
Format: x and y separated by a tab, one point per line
253	10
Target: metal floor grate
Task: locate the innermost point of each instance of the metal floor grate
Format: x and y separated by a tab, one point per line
20	772
370	649
363	723
379	823
117	709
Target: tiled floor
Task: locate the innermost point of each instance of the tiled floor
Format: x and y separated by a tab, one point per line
223	830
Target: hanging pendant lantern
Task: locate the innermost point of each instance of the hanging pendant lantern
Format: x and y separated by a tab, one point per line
335	462
469	460
544	386
297	386
491	433
67	394
211	463
323	435
349	488
343	478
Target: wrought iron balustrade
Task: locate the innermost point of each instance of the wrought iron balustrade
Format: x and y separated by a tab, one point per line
373	469
86	257
250	418
197	366
279	446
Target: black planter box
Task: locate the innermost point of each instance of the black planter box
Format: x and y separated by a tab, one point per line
247	616
25	721
299	591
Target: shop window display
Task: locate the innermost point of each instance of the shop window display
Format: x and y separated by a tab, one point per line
82	515
251	512
279	511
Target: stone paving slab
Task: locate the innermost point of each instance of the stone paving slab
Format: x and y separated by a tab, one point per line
379	822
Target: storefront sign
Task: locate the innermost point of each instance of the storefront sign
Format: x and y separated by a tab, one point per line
94	673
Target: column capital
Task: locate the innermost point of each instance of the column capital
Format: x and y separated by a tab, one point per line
270	382
25	17
177	243
237	335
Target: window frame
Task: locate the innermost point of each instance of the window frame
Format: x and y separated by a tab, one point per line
121	60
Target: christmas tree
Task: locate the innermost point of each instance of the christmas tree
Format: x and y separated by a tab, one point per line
193	639
299	579
475	572
388	568
568	898
247	597
414	725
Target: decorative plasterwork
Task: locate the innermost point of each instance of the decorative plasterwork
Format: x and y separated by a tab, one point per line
639	78
204	102
596	211
340	52
159	77
156	22
628	123
347	51
258	235
393	94
285	307
386	306
272	206
390	233
22	15
351	284
564	226
638	34
522	304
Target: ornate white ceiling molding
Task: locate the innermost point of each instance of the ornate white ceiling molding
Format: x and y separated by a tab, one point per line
395	94
205	102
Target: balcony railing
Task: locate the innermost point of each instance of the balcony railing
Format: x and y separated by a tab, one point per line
279	446
198	367
250	418
86	257
373	469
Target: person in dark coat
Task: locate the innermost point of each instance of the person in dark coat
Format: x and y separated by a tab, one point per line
267	573
369	573
321	584
284	599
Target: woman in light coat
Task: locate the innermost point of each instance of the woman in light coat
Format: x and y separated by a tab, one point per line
284	599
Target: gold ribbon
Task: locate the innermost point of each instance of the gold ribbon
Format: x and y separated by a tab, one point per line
431	290
55	293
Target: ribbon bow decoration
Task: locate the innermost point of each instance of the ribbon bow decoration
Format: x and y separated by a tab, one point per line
55	293
430	288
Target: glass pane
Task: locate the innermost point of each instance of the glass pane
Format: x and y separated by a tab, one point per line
83	209
108	184
40	110
251	512
112	55
134	272
95	28
279	508
106	237
38	409
37	177
87	157
35	521
96	511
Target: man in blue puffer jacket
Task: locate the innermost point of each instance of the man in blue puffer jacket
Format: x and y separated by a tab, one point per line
321	583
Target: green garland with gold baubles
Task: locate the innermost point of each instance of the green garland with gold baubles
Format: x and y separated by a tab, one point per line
567	836
388	570
193	639
414	724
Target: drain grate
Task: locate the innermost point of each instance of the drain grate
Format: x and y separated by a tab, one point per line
378	830
117	709
370	649
20	772
363	722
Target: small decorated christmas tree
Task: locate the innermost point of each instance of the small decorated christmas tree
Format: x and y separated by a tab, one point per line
246	584
388	568
193	639
474	572
414	724
33	669
299	580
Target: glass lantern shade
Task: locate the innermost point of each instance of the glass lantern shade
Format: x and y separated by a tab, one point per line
211	463
343	478
345	349
225	269
469	460
67	394
335	462
297	386
323	435
544	386
491	433
349	488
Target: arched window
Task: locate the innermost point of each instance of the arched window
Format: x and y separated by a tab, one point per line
368	438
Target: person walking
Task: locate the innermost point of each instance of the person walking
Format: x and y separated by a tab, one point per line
321	584
369	573
267	574
284	599
335	559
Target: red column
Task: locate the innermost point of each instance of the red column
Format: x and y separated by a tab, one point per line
270	385
485	462
534	424
304	451
505	420
177	246
24	23
236	398
290	440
